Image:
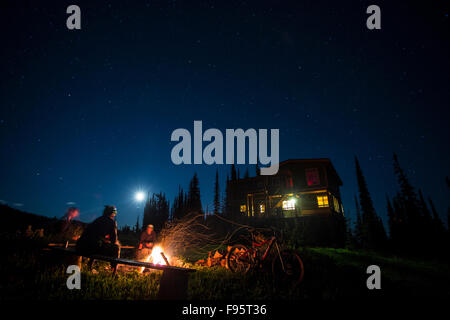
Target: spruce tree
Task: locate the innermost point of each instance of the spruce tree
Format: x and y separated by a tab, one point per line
358	223
414	238
137	228
227	201
216	194
178	207
438	228
233	173
156	211
392	222
194	200
374	236
424	210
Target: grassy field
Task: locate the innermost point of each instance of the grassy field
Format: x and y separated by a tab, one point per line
330	274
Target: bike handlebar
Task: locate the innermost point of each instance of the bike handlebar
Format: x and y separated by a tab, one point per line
252	230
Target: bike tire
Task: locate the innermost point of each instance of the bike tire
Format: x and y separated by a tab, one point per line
293	272
239	259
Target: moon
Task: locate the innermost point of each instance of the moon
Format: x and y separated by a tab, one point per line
139	196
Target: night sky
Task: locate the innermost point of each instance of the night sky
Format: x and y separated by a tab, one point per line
86	115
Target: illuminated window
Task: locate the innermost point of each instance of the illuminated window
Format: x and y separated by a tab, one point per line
289	204
322	201
262	208
243	208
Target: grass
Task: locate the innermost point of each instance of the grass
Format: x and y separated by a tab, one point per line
400	275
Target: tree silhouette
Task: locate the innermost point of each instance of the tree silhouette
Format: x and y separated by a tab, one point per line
358	223
373	233
227	202
194	203
415	228
137	228
156	211
233	173
216	194
179	205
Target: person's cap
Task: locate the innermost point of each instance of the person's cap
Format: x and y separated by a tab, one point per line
150	226
109	210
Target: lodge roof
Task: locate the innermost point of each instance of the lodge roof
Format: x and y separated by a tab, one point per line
324	160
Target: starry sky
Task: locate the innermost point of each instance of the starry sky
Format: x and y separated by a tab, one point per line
86	115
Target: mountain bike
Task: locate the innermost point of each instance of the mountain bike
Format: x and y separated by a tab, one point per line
286	265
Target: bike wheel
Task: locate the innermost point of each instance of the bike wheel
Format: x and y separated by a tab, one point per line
239	259
288	269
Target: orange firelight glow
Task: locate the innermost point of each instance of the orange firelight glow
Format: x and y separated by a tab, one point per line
156	258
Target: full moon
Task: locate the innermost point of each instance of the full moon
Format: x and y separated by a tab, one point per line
139	196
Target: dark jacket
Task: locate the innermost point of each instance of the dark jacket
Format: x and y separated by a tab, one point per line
103	229
147	238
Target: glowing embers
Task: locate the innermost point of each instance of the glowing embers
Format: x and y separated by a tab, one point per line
156	257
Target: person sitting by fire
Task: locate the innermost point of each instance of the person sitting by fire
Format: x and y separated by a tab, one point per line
146	242
100	237
66	229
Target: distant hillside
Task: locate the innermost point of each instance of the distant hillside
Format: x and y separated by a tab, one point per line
13	219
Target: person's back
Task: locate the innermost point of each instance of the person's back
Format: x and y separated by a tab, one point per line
100	237
102	229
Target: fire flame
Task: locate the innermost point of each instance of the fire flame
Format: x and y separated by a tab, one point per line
155	257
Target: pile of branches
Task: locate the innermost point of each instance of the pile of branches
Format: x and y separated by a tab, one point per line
190	233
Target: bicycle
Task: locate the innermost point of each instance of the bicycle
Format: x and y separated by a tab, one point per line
287	267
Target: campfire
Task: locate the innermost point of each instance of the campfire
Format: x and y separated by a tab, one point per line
157	257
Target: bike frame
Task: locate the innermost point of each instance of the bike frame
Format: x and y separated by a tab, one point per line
271	242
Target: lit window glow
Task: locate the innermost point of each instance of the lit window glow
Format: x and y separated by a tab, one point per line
322	201
289	204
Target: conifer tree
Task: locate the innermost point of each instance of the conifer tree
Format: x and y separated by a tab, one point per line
227	203
414	238
233	173
178	208
156	211
393	223
407	195
137	228
194	200
358	223
374	235
216	194
438	229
